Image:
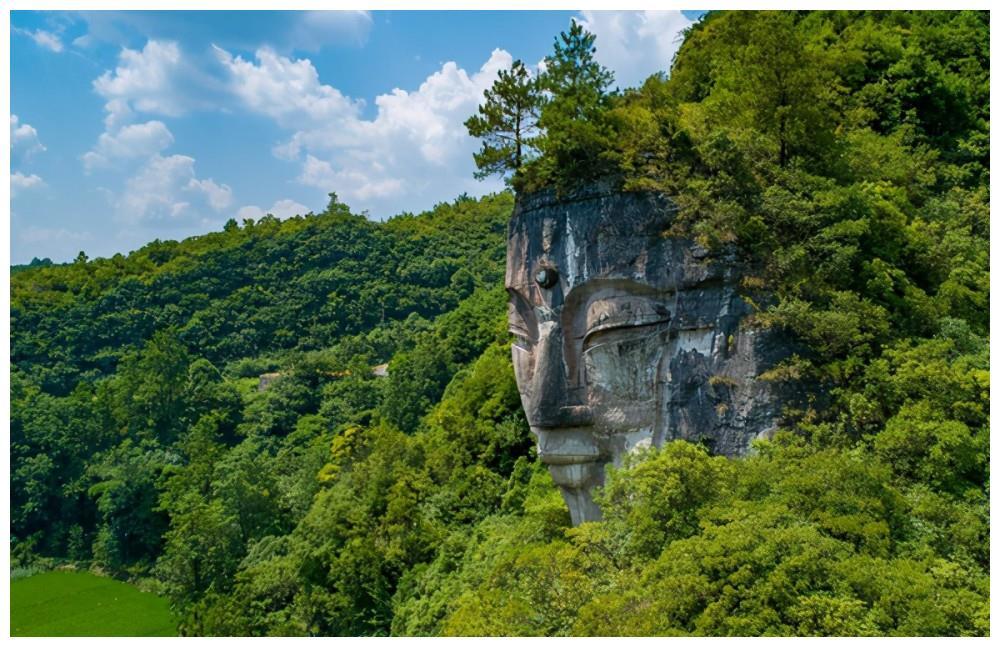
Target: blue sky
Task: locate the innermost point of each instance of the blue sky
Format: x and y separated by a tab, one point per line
131	126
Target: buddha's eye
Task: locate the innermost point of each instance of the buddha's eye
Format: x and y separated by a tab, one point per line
618	319
621	334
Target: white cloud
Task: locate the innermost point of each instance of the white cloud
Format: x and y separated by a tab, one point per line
159	79
414	152
431	117
317	173
314	29
166	191
288	208
119	114
219	196
250	211
144	81
281	209
85	41
23	137
162	191
20	182
152	193
147	80
635	44
285	90
24	143
129	142
356	183
42	38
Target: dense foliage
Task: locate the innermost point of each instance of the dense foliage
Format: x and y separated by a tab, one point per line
125	369
844	154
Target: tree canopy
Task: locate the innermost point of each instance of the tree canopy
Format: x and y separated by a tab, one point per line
507	122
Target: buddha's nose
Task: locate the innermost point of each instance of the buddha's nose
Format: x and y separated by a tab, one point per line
553	404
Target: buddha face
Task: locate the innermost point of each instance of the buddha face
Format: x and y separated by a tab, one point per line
624	338
592	313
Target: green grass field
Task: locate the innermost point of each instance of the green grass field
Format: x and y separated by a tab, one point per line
67	603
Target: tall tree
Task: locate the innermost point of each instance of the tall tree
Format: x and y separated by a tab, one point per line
573	118
778	85
507	122
578	84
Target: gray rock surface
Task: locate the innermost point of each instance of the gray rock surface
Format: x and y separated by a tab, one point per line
626	338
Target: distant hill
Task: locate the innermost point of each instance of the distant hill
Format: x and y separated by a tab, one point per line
257	288
35	263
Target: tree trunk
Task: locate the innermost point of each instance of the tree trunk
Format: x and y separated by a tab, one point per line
517	140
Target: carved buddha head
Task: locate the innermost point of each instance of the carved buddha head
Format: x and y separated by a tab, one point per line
618	333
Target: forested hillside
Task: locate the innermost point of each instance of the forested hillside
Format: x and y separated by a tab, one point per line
253	290
843	154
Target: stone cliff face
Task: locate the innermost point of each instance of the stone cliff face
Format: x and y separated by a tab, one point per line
627	338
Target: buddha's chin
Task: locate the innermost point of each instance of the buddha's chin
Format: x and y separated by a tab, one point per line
576	464
576	483
577	476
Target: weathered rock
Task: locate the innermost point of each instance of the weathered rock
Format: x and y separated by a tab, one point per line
627	338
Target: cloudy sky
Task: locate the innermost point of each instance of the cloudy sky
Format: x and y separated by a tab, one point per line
131	126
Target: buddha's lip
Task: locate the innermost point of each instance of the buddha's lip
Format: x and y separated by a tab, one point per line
581	473
550	458
566	446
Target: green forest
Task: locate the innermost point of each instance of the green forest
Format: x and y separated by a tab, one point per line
845	155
